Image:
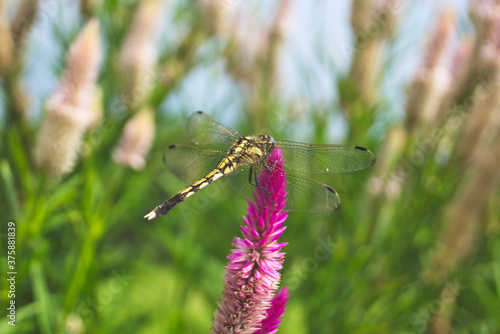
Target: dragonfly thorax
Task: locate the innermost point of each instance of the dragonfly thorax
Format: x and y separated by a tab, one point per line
265	143
251	150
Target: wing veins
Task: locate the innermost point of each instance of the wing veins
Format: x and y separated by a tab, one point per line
224	128
325	198
326	158
203	129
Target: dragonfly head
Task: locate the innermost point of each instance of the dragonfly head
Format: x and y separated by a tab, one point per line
267	143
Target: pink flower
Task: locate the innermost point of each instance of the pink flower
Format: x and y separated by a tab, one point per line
274	313
249	301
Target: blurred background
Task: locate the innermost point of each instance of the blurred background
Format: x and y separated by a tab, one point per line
92	92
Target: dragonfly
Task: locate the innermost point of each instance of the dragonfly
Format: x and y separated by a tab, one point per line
221	151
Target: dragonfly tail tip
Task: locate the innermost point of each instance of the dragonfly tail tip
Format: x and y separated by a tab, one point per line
151	215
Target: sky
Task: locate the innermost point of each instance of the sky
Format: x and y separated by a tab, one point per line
313	55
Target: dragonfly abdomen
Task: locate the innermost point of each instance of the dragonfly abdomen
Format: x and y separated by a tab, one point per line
225	167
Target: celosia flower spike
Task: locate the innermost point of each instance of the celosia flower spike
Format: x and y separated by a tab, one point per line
249	303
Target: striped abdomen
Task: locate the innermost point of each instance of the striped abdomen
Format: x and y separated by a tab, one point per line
227	166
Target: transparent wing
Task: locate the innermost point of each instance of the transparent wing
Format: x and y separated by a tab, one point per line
304	194
193	162
240	181
322	159
308	195
204	130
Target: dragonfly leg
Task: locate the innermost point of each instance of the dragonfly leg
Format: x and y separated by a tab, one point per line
267	167
250	173
253	179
